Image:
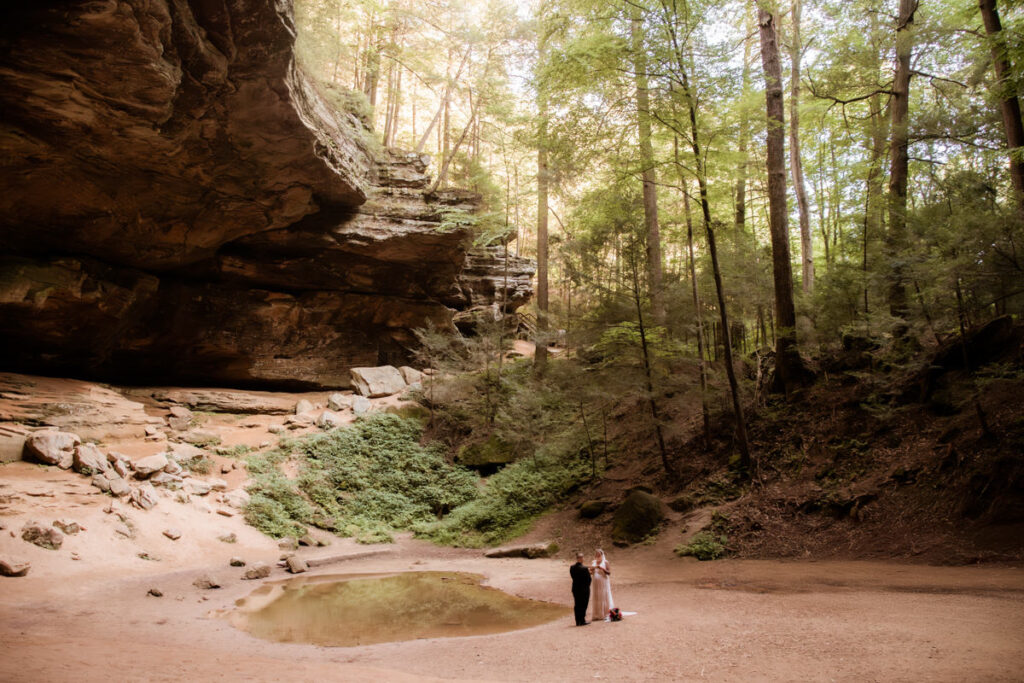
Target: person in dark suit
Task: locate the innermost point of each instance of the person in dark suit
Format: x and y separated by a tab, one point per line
580	574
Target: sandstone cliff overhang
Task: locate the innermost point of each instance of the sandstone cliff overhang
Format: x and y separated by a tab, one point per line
182	203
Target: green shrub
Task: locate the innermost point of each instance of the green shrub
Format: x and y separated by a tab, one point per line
201	465
271	517
704	546
509	502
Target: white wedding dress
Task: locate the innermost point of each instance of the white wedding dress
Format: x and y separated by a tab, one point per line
601	592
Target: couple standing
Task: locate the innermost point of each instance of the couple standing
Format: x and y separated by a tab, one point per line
592	585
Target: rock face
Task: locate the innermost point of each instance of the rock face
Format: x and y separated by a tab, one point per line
217	218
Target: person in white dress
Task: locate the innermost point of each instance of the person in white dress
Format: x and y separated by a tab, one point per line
601	589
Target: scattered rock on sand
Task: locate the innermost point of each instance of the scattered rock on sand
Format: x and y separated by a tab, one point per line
197	487
150	465
300	421
152	430
236	562
88	459
179	418
206	582
228	538
530	552
225	513
42	536
361	405
200	437
384	380
172	534
303	406
169	481
184	453
275	429
120	464
237	499
11	568
339	402
68	526
173	468
144	497
124	530
101	482
155	592
12	442
225	467
637	517
329	420
218	484
297	565
119	487
52	447
288	543
259	570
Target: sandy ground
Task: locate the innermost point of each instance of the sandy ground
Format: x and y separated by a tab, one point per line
90	619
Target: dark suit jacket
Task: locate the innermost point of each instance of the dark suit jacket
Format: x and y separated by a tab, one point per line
580	579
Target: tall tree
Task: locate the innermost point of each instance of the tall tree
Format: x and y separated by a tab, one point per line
540	357
787	358
899	107
806	245
1007	91
650	188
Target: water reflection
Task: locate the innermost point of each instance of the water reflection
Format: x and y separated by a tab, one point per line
365	609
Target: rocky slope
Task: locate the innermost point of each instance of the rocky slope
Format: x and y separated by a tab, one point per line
184	204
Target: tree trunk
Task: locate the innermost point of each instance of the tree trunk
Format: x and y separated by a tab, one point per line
540	356
1009	104
806	246
899	159
741	171
650	190
787	358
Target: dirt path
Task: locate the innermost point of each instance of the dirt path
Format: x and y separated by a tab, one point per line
725	621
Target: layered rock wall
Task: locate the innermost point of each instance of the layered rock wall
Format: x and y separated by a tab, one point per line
183	204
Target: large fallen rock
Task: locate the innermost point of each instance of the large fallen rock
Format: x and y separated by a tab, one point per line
530	552
637	518
88	460
258	570
384	380
150	465
52	447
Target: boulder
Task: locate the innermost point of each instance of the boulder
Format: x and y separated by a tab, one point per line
276	429
179	419
288	543
303	406
173	468
88	459
152	431
42	536
119	487
329	420
172	534
206	582
67	526
102	483
638	516
236	499
52	447
120	464
200	437
12	442
361	405
150	465
236	562
593	508
144	497
259	570
228	538
530	552
339	402
296	565
155	592
488	455
384	380
197	487
410	375
184	453
11	568
218	484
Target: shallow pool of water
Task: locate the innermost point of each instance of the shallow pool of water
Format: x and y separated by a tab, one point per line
365	609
